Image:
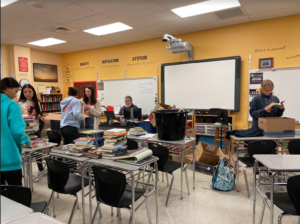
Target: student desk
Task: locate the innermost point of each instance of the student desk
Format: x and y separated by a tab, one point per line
29	155
182	145
11	210
36	218
130	169
72	163
107	127
275	164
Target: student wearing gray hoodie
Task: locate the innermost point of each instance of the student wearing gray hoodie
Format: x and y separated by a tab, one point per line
71	117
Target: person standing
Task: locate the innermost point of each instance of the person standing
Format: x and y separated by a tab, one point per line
91	106
12	134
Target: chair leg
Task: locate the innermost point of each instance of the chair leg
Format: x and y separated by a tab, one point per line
100	212
262	212
148	211
167	179
57	195
112	211
94	216
49	201
130	218
119	213
280	217
246	181
162	176
73	209
299	220
187	182
170	189
54	206
77	205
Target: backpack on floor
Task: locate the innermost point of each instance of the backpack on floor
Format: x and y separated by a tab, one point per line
224	178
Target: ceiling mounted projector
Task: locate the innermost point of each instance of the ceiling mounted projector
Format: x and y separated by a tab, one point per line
177	46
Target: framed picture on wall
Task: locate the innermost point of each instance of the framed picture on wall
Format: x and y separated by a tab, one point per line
266	63
45	73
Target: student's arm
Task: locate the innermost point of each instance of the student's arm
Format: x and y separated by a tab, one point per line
23	109
96	111
255	111
76	111
17	125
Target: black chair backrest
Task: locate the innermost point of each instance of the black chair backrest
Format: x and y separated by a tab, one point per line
294	147
110	185
261	147
18	194
293	186
131	144
161	152
58	174
54	137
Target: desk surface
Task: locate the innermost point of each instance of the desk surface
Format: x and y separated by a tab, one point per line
290	138
284	163
76	158
36	218
11	210
181	142
90	132
50	145
142	137
119	165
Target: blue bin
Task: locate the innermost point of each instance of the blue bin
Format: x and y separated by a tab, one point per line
147	126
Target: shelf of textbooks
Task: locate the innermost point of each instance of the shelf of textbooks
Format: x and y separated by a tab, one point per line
51	102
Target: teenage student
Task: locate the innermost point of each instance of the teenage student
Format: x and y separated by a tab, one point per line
91	106
260	104
12	134
128	104
70	117
30	105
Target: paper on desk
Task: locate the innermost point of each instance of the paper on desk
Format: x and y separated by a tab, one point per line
147	136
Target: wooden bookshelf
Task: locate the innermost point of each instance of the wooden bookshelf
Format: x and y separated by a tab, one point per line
51	102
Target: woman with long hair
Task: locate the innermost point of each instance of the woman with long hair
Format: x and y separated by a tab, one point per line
91	106
30	105
12	134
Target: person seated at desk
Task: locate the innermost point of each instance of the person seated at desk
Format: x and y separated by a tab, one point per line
260	104
128	104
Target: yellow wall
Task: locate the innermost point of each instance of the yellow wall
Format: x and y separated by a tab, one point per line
242	40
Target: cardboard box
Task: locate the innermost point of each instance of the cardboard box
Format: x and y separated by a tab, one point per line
277	126
151	117
55	119
186	153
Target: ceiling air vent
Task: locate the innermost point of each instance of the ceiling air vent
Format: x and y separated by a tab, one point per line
229	13
36	5
62	29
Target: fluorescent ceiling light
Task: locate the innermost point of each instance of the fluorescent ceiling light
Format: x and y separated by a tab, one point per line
205	7
107	29
47	42
7	2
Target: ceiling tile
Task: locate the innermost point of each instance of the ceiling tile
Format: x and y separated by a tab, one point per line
76	36
227	22
104	44
155	18
164	26
32	24
89	41
270	5
177	31
7	33
135	10
9	17
124	34
204	18
106	5
67	14
26	38
22	7
172	4
90	22
275	13
137	38
248	2
47	33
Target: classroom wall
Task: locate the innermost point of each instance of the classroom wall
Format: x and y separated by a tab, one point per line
277	38
5	60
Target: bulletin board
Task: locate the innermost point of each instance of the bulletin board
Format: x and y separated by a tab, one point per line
81	86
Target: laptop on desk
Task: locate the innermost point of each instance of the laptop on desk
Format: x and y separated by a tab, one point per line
110	115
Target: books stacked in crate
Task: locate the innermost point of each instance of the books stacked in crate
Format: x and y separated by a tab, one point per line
81	145
115	141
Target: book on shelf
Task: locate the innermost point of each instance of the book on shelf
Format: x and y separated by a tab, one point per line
115	132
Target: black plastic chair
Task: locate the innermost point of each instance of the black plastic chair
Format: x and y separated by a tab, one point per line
288	202
60	181
54	137
23	195
112	190
165	165
294	147
257	147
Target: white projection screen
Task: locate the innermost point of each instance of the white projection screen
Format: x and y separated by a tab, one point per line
203	84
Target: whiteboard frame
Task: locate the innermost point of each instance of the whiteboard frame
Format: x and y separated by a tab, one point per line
237	87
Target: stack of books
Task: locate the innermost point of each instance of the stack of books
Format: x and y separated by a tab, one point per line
93	153
81	145
115	141
137	131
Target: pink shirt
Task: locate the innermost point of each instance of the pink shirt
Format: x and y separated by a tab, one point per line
87	112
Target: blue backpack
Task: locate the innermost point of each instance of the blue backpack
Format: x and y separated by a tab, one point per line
223	179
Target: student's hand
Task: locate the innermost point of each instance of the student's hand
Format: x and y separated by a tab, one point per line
118	116
38	117
43	119
268	109
87	107
281	106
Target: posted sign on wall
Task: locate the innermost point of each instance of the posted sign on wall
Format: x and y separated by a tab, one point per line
23	64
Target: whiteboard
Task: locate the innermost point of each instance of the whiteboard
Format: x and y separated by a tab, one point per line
204	84
143	92
287	86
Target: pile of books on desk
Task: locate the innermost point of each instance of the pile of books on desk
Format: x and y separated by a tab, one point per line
93	153
81	145
137	131
115	141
